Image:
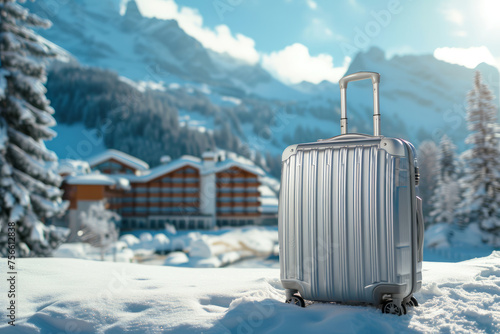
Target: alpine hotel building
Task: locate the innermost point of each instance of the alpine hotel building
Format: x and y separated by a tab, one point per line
189	193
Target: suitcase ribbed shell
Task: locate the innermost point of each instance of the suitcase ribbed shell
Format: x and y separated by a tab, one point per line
347	220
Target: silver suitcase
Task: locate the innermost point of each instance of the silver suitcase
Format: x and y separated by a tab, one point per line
350	220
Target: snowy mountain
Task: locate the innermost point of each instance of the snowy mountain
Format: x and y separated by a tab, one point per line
149	49
421	97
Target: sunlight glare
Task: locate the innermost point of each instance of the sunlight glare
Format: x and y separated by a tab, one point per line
490	10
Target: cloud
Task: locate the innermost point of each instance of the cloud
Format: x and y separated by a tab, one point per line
219	39
355	5
468	57
318	30
294	64
460	33
312	4
453	15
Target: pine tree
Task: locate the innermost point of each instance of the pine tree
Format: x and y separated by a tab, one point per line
447	193
29	183
481	182
428	163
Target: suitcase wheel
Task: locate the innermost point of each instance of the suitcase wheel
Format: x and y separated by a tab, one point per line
391	307
412	302
296	300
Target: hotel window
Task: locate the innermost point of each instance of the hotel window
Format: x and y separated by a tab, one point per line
127	209
251	199
224	190
190	180
191	190
224	199
239	180
141	209
140	190
224	209
127	199
177	190
167	179
238	199
154	209
154	199
251	180
252	189
154	190
238	209
141	199
190	170
167	199
252	209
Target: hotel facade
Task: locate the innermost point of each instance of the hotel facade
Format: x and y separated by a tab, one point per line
188	193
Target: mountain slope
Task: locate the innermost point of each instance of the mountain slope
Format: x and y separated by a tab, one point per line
149	49
421	97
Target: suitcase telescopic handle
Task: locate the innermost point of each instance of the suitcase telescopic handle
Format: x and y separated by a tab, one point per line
375	77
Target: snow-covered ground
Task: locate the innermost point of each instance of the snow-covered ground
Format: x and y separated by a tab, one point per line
201	249
80	296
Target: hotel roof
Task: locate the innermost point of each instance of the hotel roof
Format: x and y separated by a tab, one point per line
122	157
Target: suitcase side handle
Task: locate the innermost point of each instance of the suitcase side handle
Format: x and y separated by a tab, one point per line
375	77
420	229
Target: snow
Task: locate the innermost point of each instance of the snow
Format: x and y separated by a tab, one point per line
86	251
119	156
165	169
91	179
3	82
73	167
90	296
3	135
451	237
215	248
79	173
232	159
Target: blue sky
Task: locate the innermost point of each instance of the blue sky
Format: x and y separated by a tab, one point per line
314	40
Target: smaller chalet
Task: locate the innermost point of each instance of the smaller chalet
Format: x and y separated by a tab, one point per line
82	188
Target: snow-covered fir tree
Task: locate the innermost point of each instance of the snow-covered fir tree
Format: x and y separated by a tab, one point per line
447	193
428	162
29	183
481	182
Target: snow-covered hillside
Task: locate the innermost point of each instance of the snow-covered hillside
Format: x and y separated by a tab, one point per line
79	296
149	49
421	97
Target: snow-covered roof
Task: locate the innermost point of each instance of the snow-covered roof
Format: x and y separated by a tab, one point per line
73	167
234	160
99	179
185	160
122	157
221	166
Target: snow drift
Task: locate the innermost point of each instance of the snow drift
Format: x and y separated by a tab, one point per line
69	295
